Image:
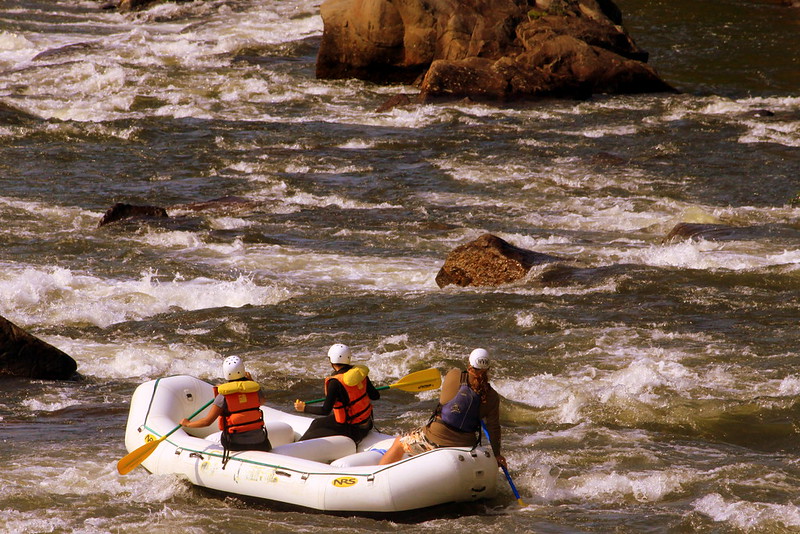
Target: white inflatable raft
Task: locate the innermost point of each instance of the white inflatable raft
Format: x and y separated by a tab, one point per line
330	474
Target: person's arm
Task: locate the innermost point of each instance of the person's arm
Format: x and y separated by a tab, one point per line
372	393
492	419
213	412
450	385
262	398
334	391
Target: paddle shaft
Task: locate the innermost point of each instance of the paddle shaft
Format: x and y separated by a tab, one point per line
323	398
203	407
505	470
415	382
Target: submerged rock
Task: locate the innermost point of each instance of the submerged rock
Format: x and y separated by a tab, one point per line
228	205
15	116
25	356
120	211
485	49
488	261
711	232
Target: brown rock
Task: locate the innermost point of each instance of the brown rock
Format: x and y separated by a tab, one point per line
134	5
121	211
485	49
394	101
488	261
25	356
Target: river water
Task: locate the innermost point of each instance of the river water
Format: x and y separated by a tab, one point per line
655	390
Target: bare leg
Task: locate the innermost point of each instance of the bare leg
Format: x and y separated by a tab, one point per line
393	454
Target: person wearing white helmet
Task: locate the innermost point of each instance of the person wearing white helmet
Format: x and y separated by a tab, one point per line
237	409
466	399
348	394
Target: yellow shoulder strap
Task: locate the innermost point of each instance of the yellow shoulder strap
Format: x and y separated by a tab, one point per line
240	386
356	375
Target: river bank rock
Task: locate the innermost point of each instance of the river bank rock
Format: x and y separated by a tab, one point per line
488	261
25	356
485	49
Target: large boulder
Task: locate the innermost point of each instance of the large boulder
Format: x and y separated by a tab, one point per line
485	49
488	261
25	356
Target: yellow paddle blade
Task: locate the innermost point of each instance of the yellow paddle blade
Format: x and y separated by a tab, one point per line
419	381
129	462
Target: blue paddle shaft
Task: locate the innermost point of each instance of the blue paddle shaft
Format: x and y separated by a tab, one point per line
505	470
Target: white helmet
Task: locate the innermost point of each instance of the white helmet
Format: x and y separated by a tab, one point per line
339	353
479	359
233	368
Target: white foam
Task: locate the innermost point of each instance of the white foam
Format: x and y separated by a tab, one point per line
131	59
15	49
229	223
64	218
748	516
61	296
789	386
49	403
647	486
144	359
707	255
785	133
361	272
576	396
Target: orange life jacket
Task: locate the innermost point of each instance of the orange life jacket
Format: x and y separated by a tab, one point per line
358	409
243	407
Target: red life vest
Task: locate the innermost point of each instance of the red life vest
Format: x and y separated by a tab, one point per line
243	404
359	407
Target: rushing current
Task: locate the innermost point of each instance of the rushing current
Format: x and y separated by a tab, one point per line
654	391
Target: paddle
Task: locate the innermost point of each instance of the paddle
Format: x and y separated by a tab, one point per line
419	381
505	470
129	462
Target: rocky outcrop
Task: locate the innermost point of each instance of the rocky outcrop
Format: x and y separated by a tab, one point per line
25	356
120	211
488	261
485	49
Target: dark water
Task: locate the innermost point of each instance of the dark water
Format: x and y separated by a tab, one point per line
648	387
